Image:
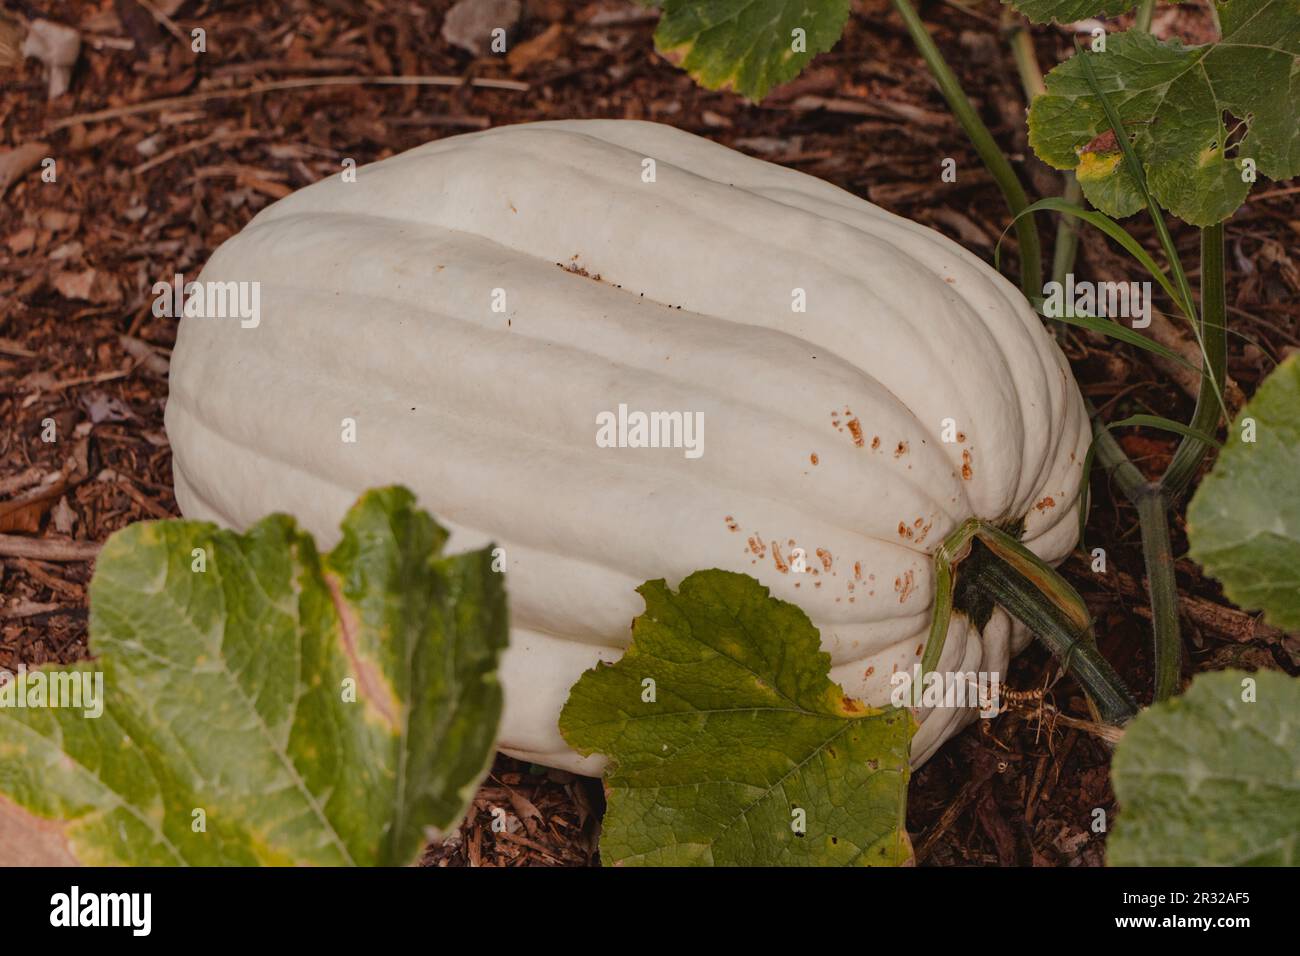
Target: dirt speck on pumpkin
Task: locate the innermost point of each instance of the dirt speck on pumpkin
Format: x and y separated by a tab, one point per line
579	270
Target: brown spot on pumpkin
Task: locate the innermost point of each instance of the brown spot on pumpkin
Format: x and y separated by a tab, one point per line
905	586
901	450
731	523
813	458
825	558
875	442
918	522
903	530
868	672
778	560
855	429
919	648
966	470
756	546
961	436
1048	502
857	570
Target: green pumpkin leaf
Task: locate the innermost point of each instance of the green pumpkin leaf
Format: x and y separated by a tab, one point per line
748	46
1185	109
228	734
1210	779
1243	524
725	734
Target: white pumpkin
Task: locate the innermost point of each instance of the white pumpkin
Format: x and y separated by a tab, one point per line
475	305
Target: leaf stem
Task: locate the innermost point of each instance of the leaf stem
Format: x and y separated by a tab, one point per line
1192	450
1066	247
1022	51
1132	483
1142	21
1031	266
1154	501
1153	517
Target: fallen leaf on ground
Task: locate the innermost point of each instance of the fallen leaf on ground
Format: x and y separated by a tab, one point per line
57	46
17	161
89	285
469	24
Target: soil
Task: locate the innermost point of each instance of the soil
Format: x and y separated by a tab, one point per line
154	171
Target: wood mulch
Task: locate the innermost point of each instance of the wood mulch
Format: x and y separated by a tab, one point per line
163	153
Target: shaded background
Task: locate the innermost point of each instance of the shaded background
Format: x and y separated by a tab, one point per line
163	153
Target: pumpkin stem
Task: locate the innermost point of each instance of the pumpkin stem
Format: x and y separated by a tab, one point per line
953	549
996	566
